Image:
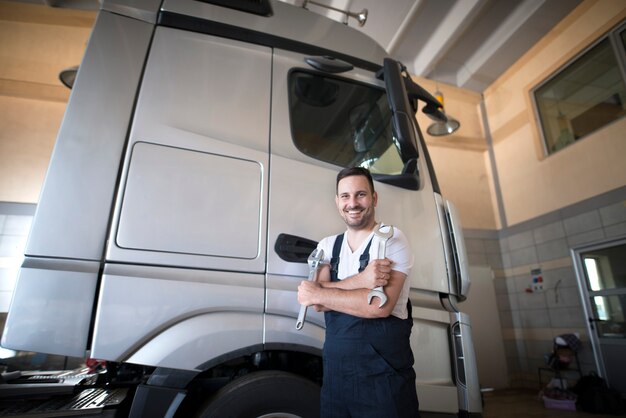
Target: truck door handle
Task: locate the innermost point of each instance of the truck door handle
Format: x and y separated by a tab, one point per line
293	248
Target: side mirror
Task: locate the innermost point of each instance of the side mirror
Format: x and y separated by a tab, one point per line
401	114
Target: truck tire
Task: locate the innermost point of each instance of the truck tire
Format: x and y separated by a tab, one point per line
265	394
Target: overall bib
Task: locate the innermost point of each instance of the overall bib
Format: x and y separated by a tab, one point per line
368	363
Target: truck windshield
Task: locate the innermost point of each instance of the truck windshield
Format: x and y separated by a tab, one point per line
342	122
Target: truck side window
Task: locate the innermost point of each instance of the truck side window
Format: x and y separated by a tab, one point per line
342	122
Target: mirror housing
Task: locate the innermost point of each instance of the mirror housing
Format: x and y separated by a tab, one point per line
401	111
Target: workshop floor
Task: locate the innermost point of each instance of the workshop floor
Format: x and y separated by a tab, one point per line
524	403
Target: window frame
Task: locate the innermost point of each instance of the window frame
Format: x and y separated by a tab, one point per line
614	35
341	79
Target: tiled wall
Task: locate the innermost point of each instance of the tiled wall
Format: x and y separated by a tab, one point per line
531	320
15	221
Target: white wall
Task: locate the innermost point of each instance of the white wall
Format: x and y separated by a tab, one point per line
482	308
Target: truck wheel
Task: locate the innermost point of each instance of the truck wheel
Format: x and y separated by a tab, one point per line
265	394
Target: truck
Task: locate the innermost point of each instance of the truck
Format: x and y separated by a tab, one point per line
193	174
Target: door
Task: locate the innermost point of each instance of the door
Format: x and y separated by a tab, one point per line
321	123
194	181
188	233
601	271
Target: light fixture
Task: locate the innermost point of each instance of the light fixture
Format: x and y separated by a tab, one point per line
360	17
68	76
443	127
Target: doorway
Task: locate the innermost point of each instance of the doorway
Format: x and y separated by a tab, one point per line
601	272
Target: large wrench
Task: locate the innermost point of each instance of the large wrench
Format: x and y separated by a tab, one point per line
314	262
382	249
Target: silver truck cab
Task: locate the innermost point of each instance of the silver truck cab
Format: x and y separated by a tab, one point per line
192	176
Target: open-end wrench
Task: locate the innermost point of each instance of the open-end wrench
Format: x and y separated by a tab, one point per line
382	249
314	262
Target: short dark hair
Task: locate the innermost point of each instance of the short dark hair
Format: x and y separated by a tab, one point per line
354	171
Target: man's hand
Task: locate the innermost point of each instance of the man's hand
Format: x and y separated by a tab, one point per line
308	293
350	295
377	273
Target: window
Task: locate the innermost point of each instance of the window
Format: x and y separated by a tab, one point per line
605	271
342	122
584	96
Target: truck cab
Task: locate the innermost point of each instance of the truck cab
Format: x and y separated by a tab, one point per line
192	176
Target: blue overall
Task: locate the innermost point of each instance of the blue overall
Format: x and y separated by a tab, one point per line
368	363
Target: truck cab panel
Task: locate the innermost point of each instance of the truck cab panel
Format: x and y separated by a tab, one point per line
184	195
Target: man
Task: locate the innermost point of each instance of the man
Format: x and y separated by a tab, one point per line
368	362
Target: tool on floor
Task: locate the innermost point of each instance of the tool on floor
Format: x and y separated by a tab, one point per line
382	249
314	261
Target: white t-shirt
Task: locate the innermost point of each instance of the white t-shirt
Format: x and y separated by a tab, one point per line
398	251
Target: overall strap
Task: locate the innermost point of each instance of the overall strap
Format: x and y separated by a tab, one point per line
334	261
364	259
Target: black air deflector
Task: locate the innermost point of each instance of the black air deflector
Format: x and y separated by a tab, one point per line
257	7
195	24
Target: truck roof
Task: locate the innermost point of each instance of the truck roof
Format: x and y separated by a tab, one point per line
285	26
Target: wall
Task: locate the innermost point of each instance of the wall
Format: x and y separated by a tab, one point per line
486	329
550	204
531	321
464	179
15	220
461	160
587	168
27	133
37	43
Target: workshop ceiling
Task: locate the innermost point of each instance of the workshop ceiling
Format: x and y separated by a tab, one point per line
464	43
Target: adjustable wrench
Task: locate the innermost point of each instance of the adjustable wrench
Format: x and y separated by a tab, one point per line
314	262
382	248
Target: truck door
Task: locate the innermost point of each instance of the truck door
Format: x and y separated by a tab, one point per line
321	123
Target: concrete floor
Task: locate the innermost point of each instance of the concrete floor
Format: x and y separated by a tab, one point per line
524	403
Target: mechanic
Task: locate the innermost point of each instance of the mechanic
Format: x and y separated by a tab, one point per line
368	362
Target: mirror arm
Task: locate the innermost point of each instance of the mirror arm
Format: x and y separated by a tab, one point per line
433	107
400	109
414	91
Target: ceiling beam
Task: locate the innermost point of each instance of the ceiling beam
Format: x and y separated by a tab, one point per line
456	21
35	91
406	24
506	30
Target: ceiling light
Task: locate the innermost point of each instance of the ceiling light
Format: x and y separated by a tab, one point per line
68	76
443	127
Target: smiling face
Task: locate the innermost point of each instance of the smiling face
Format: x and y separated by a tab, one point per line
356	202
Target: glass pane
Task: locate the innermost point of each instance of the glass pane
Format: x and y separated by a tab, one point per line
587	95
609	311
606	268
342	122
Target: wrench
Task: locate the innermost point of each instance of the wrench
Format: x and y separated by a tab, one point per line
382	248
314	262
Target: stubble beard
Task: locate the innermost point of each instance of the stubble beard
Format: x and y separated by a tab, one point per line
364	222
